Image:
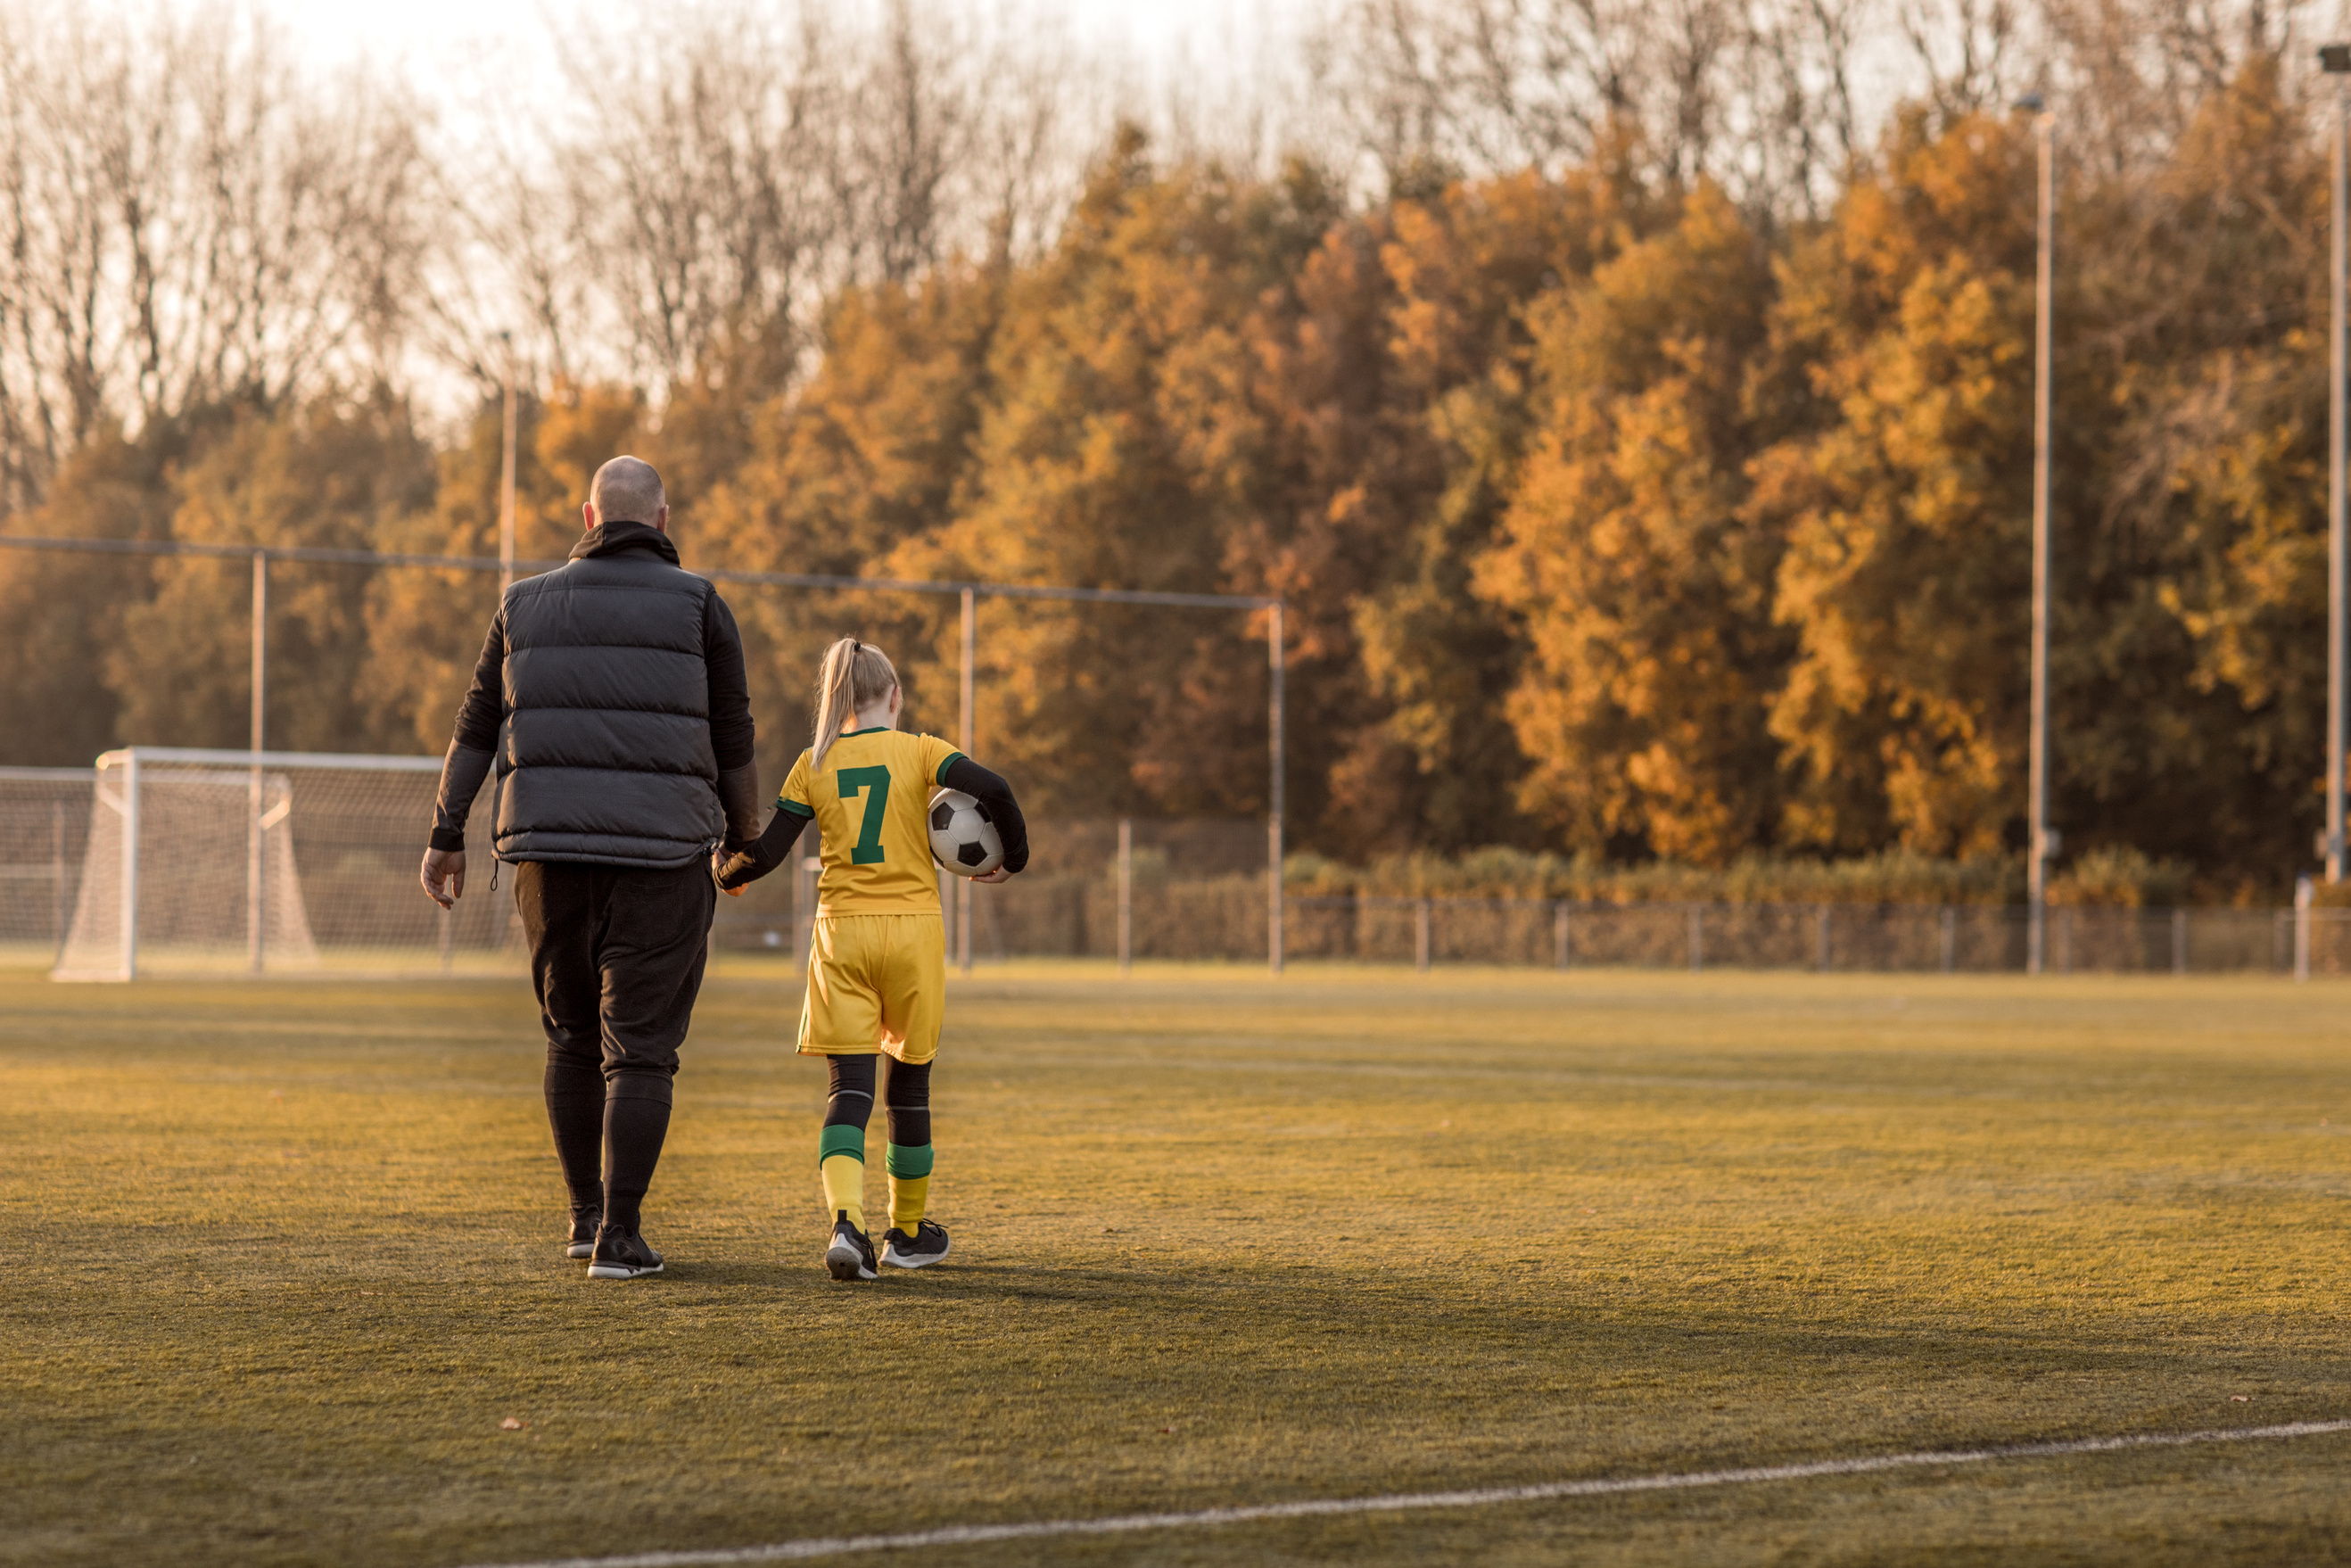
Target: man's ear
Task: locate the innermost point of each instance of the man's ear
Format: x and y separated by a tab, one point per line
588	513
660	520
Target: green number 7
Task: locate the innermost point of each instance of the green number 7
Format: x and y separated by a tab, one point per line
873	783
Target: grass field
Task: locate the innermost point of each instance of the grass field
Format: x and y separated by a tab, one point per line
282	1258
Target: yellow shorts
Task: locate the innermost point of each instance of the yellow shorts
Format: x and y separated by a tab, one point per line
876	982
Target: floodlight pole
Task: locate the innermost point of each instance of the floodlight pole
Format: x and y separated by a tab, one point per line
2042	840
507	481
963	884
1273	816
2335	60
254	832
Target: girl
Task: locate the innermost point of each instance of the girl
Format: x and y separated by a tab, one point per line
877	968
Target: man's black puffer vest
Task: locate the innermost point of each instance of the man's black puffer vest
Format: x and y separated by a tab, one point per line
606	756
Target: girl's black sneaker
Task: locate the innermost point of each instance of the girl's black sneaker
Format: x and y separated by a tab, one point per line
929	1244
585	1223
849	1256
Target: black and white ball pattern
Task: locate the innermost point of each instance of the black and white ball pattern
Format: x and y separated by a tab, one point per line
963	837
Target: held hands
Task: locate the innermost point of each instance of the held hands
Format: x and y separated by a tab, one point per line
735	870
441	865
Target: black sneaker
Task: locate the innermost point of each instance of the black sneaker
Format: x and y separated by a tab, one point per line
621	1255
584	1222
929	1244
849	1256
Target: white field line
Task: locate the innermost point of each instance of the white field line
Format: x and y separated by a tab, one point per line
981	1534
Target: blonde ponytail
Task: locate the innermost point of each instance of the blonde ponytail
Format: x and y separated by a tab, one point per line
854	674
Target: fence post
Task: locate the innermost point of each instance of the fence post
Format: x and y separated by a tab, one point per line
256	842
1697	937
1950	938
2303	889
1421	912
1558	935
1822	921
2180	942
1125	895
57	871
2065	941
447	958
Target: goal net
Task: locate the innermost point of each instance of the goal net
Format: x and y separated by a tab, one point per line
43	819
221	863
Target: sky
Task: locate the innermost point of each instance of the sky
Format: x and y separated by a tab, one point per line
1156	30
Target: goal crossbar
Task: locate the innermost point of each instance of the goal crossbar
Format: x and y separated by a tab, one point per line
198	757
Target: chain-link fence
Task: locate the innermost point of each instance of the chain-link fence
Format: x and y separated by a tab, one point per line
1160	890
1920	938
1224	918
1194	889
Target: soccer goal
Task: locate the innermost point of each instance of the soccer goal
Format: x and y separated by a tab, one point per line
224	863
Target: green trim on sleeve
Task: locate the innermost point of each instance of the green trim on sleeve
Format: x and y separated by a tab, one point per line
840	1140
795	808
940	778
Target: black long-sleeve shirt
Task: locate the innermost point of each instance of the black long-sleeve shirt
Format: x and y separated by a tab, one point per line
774	846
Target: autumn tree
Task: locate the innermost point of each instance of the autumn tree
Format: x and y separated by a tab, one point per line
1122	449
871	453
1431	759
424	625
329	474
64	613
1907	508
1642	579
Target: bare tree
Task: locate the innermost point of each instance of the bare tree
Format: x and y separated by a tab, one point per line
182	219
1484	85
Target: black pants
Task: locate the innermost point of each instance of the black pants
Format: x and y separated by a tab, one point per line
616	958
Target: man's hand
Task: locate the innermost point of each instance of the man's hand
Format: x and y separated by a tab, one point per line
734	870
440	865
999	875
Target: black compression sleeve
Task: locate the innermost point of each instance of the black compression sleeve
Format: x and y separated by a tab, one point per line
851	1103
908	1098
766	853
993	792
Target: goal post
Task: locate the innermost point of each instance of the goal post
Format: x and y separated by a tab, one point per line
221	863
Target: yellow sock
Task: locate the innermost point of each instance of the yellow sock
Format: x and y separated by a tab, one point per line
844	1175
906	1195
910	1184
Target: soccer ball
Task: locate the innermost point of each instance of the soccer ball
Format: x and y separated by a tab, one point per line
963	837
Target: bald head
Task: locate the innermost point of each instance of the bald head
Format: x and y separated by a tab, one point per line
627	491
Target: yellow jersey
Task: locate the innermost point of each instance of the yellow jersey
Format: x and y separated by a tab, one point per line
871	801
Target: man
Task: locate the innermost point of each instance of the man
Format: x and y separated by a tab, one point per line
611	695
